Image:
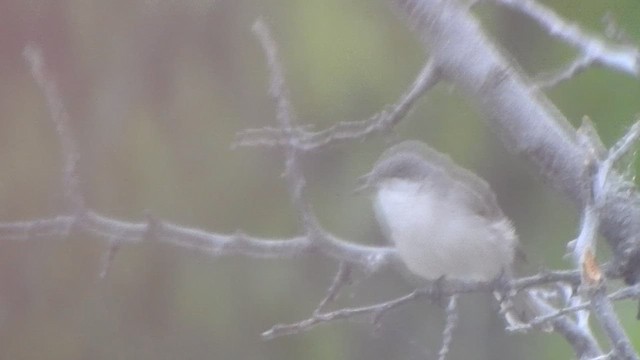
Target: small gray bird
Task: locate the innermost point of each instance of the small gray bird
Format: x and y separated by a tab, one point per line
445	222
443	219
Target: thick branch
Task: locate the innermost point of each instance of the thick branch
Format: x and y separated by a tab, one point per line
526	121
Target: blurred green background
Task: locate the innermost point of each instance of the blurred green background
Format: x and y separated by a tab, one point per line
156	91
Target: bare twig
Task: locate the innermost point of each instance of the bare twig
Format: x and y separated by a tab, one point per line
602	310
320	318
580	64
343	276
618	57
215	244
546	277
109	257
589	139
607	356
305	140
435	291
541	320
286	118
447	334
60	117
580	338
628	292
626	143
619	150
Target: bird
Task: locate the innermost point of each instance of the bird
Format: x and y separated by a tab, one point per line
445	223
444	220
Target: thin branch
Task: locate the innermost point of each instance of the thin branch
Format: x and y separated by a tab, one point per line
60	117
628	292
626	143
617	152
435	291
376	311
546	277
346	313
621	58
343	276
579	338
215	244
109	257
286	119
541	320
602	310
447	334
306	140
589	139
608	356
580	64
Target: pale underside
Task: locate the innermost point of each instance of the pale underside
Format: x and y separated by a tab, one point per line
436	235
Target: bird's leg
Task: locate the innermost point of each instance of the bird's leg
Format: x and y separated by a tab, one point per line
439	291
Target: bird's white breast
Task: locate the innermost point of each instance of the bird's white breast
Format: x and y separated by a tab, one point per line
437	236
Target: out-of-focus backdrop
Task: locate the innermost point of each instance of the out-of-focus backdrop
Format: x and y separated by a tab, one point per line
156	91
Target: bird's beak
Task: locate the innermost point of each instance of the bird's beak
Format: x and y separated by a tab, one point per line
363	184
